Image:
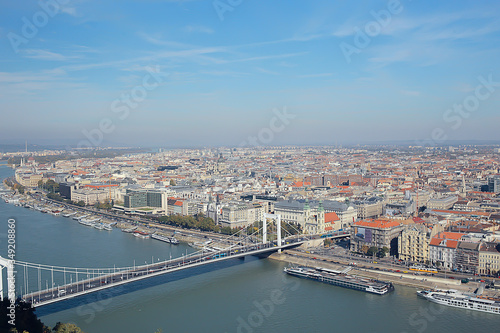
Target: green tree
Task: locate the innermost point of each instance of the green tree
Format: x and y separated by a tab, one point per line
25	318
198	221
66	328
55	196
383	252
372	251
104	205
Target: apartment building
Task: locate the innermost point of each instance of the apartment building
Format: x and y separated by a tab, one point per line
89	196
368	208
489	258
443	249
414	241
239	215
380	233
442	203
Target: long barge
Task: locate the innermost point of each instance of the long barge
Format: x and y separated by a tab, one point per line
166	239
341	279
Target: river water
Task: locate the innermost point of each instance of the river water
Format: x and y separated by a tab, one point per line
250	295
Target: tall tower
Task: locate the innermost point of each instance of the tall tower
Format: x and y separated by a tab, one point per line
463	190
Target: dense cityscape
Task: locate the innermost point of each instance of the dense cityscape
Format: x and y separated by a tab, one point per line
436	207
249	166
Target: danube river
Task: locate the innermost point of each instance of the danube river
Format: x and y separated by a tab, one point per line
251	295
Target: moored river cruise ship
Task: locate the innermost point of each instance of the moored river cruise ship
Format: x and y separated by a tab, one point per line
341	279
458	299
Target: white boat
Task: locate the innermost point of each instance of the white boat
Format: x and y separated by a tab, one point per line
69	214
14	201
87	223
166	239
98	226
458	299
107	227
130	229
95	220
141	234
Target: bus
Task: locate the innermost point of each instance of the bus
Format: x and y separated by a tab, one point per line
417	268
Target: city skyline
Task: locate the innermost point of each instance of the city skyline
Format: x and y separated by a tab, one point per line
207	73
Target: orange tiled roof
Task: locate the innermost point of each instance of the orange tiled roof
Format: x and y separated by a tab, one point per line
449	235
461	213
331	217
452	244
378	223
301	184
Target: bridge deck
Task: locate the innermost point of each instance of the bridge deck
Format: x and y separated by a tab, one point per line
87	286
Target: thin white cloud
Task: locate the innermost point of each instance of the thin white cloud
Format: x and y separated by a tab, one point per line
44	55
266	71
316	75
69	10
198	29
83	49
156	39
277	56
22	83
225	73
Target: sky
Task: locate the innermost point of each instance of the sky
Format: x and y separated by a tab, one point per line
175	73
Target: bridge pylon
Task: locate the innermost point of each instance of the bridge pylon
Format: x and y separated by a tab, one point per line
277	218
11	287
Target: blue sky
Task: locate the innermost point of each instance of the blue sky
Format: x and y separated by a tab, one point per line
224	66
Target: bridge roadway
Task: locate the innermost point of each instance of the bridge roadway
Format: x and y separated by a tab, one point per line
102	282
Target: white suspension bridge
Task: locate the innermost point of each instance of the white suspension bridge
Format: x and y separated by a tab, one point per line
44	284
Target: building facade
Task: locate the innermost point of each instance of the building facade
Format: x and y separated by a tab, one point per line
380	233
489	258
413	243
368	208
467	257
443	249
442	203
239	215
